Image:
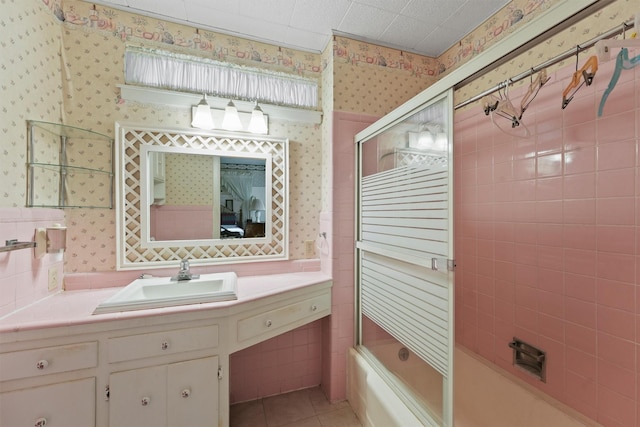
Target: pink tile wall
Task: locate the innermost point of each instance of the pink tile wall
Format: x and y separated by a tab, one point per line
548	241
24	278
288	362
339	327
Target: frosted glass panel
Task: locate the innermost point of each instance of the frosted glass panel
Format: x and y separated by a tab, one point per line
405	277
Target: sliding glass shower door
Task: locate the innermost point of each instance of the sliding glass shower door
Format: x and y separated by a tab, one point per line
404	255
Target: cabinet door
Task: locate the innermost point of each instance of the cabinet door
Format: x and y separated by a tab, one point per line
193	393
138	398
69	404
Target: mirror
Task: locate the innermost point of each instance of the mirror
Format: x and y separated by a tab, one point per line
212	198
203	195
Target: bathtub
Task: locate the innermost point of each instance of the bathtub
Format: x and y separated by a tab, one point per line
485	395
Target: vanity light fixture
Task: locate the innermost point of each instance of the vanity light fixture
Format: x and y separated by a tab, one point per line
425	140
209	115
431	136
231	120
202	117
257	123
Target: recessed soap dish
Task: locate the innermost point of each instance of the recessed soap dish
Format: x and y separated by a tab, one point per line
529	358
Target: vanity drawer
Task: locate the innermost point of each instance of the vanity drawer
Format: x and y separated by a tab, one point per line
162	343
48	360
275	320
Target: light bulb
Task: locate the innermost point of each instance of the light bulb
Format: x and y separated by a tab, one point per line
257	123
231	120
202	118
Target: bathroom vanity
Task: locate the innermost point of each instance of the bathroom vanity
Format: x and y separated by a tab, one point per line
62	366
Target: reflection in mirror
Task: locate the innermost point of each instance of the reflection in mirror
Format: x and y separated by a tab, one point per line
210	197
201	197
421	139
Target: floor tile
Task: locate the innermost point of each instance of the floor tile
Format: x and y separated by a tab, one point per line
287	408
341	418
303	408
308	422
248	414
321	404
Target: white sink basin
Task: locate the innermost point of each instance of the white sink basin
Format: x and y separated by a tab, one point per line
163	292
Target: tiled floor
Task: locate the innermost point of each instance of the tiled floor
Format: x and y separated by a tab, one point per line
304	408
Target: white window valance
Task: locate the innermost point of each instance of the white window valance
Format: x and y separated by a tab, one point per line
174	71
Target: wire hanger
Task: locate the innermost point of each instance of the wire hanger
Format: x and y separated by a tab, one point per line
501	106
505	107
582	76
532	91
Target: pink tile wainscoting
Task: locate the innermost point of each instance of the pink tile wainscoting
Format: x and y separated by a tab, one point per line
23	278
548	241
338	329
291	361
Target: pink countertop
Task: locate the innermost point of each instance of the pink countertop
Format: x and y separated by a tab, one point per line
71	308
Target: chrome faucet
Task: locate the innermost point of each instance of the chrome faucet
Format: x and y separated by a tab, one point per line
185	272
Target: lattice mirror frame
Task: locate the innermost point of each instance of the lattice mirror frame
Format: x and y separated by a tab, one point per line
134	253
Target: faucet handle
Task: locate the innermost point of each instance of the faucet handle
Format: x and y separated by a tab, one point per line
184	264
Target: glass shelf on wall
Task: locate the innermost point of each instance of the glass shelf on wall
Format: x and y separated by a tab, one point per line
69	167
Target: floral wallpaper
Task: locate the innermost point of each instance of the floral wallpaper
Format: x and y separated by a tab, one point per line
189	179
138	29
29	86
374	80
503	23
326	98
94	68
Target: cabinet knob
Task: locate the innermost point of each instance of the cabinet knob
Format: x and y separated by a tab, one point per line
165	345
314	307
145	401
41	365
40	422
268	323
185	393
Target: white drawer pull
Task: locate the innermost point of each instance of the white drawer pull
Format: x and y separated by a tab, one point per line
145	401
41	365
314	307
165	345
41	422
185	393
268	323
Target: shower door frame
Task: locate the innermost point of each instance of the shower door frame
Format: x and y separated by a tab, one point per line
429	261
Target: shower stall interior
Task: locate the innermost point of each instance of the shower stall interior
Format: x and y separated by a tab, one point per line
404	257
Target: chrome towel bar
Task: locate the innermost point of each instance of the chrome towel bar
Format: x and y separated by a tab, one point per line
14	245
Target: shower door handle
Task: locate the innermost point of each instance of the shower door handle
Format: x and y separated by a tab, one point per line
450	263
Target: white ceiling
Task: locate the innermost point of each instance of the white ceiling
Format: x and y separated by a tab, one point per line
428	27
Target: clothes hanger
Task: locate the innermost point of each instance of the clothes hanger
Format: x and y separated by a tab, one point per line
503	107
582	76
622	63
506	108
533	89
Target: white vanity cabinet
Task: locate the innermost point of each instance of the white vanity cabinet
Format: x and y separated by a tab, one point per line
266	318
160	368
50	405
38	385
176	383
182	394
